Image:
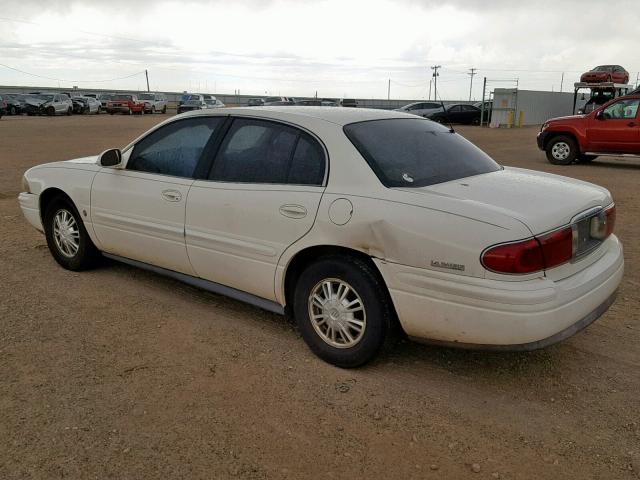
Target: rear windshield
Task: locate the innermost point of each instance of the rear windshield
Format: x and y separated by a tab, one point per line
416	152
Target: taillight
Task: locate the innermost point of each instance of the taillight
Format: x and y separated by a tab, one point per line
531	255
519	257
610	219
557	247
554	248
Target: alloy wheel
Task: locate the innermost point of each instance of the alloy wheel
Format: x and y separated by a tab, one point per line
66	233
337	313
560	151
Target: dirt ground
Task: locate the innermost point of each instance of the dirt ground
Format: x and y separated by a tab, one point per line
118	373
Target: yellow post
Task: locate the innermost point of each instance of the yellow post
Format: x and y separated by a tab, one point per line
509	118
521	116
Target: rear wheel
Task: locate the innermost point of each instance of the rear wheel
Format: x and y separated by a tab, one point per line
153	109
51	111
69	111
342	309
164	109
562	150
68	240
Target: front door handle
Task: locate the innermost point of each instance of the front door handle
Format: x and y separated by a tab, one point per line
171	195
293	211
631	124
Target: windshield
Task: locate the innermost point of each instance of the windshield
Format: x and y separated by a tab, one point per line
416	152
272	99
193	102
104	96
602	68
123	97
145	96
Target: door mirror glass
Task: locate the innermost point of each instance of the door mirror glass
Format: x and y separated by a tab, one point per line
599	115
110	158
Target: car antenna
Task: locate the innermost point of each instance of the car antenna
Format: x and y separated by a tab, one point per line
446	115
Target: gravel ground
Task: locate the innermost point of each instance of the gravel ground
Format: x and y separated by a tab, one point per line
119	373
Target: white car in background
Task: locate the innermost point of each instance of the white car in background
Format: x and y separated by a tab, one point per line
312	211
422	109
153	102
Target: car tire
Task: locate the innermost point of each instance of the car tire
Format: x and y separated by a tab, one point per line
164	109
12	110
475	121
586	158
328	287
69	111
51	111
67	238
562	150
130	112
153	109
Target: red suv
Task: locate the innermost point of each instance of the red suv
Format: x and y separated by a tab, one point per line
612	129
606	73
128	104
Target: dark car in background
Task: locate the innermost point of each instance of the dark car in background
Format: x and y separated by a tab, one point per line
458	113
279	101
255	102
3	106
193	104
606	73
15	103
349	102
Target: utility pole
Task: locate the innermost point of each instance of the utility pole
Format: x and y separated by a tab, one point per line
146	74
561	81
389	90
637	78
484	89
435	80
473	72
430	82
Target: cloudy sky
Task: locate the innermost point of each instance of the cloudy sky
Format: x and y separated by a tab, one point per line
339	48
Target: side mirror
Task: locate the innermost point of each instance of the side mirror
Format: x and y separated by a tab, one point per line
110	158
600	115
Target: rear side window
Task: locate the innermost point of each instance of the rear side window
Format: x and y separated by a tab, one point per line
259	151
416	152
174	149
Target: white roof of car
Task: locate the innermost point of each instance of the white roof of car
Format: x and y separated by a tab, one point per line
337	115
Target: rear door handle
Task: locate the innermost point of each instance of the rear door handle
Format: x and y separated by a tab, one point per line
631	124
293	211
171	195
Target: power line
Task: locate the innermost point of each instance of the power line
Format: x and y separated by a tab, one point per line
67	80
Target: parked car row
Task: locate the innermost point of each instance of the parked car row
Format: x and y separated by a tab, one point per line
44	103
314	102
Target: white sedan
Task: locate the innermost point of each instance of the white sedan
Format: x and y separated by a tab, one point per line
348	219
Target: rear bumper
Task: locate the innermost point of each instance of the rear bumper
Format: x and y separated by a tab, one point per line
30	205
502	315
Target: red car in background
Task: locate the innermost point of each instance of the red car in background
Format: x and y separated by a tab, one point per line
606	73
128	104
612	129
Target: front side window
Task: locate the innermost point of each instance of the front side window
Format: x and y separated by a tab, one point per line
416	152
624	109
174	149
259	151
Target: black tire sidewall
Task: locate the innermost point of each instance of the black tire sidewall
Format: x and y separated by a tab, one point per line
374	297
87	253
573	150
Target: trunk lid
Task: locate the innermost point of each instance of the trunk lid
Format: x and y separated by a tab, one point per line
541	201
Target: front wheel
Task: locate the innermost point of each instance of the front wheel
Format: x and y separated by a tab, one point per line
342	309
562	150
164	109
68	240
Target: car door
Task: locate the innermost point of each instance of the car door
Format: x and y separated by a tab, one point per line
260	196
138	212
616	129
454	114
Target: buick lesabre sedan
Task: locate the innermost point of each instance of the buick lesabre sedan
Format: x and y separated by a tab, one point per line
347	219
